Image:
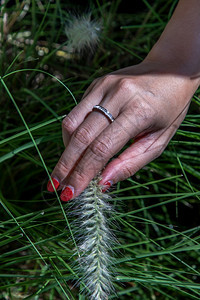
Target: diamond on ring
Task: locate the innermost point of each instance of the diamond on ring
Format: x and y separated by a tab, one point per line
104	111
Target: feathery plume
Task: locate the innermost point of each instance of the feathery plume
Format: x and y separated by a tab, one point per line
95	241
82	33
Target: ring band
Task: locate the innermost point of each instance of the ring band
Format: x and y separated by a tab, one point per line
104	111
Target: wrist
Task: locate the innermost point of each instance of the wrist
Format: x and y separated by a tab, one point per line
171	60
166	61
167	70
179	45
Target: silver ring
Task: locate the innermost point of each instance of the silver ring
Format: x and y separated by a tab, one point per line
105	112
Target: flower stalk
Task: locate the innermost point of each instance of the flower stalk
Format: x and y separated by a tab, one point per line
95	241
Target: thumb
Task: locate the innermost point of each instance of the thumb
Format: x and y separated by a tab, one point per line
138	155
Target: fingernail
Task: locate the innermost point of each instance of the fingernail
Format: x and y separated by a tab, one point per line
67	193
107	185
50	186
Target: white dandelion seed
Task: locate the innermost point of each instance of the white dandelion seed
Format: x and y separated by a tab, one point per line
82	33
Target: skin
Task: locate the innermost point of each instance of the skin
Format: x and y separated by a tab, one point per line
148	101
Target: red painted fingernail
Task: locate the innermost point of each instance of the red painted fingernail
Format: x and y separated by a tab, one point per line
67	193
50	186
106	185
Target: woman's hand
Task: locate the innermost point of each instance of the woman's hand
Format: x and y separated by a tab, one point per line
148	101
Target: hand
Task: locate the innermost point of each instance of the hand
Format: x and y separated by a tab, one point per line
148	103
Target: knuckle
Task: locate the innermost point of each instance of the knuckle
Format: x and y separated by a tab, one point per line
79	175
127	172
69	124
108	78
101	148
144	112
62	166
125	84
82	136
127	169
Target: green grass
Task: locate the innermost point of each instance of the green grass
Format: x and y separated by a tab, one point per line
157	210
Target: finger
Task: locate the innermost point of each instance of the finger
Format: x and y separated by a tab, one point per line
90	128
72	121
102	91
108	143
78	137
137	156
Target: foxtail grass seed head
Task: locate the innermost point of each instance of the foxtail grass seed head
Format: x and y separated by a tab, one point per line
82	33
95	241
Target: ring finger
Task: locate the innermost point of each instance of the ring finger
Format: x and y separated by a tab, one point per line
83	136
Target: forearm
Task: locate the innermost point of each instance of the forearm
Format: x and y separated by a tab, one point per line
179	45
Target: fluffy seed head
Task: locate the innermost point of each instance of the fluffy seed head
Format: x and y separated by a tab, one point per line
95	241
82	33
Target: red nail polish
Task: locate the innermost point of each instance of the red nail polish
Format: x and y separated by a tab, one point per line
50	186
106	185
67	193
